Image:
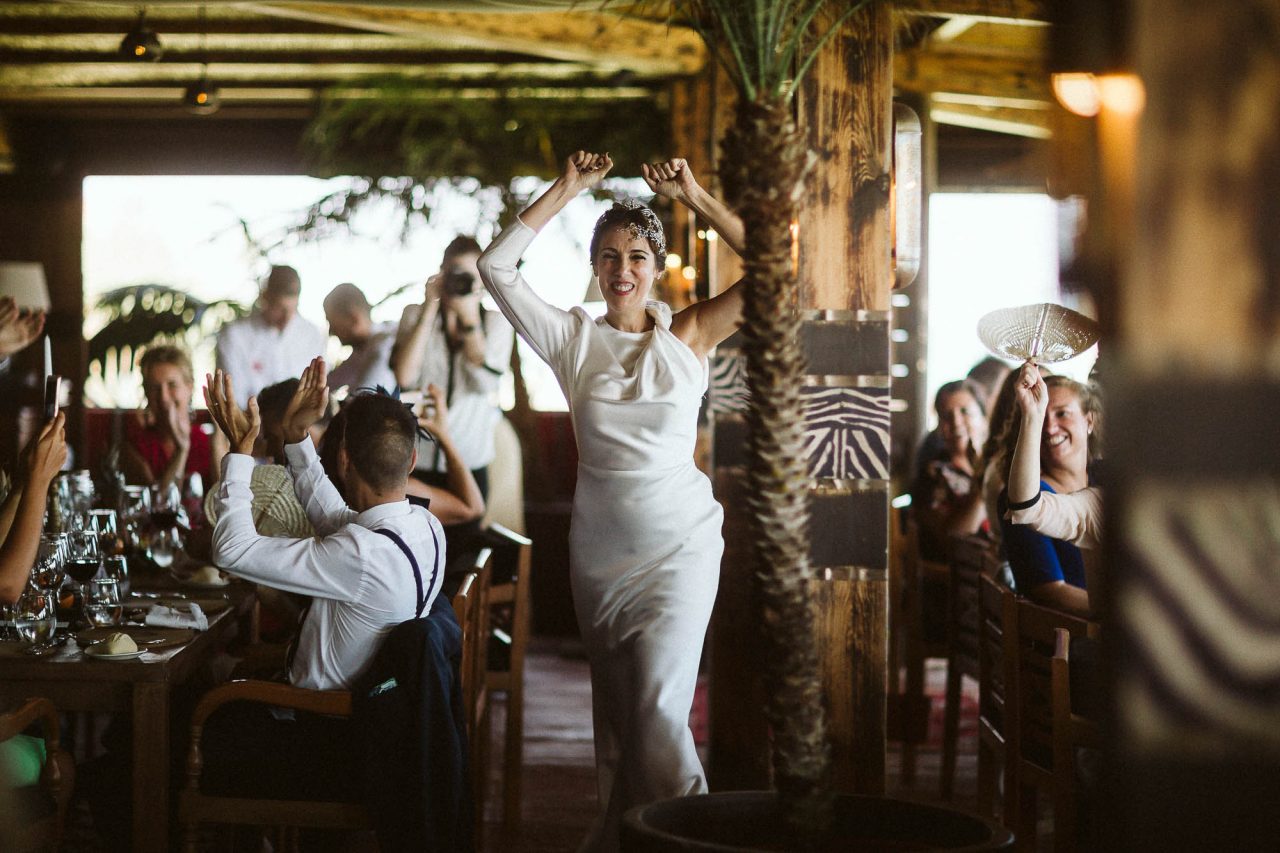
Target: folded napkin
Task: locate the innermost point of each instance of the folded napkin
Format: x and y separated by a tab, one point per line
169	617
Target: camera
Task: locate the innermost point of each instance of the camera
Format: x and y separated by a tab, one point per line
459	283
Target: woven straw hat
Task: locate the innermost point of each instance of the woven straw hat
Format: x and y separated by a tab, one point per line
1044	332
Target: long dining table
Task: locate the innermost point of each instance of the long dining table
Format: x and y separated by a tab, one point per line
139	687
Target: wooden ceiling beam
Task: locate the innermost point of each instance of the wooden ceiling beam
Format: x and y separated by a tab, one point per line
1005	11
51	75
967	74
266	94
1030	123
582	36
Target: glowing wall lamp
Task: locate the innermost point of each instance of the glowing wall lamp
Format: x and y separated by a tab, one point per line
1089	58
201	97
906	196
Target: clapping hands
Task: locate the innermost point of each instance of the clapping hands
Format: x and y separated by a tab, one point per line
238	425
18	327
309	401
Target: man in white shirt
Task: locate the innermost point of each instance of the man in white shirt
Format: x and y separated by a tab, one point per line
273	343
350	321
452	342
376	561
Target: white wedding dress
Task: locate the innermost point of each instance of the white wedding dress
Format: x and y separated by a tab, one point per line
645	539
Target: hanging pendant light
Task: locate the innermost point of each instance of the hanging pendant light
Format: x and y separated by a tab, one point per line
201	97
141	43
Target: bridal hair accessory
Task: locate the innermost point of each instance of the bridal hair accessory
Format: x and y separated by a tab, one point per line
639	221
1044	333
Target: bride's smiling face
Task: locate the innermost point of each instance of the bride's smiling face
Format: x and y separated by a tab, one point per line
626	267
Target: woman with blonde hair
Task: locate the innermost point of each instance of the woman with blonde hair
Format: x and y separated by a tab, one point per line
161	445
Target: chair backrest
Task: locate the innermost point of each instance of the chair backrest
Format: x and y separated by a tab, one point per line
41	830
1033	696
997	610
970	559
463	603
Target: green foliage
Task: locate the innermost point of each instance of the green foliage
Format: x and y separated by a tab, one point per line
404	130
141	314
767	46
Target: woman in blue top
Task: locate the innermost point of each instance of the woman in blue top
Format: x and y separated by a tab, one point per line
1051	571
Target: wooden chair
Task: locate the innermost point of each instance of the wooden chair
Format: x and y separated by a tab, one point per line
471	606
510	589
196	807
41	827
971	558
998	615
915	704
1030	737
1071	731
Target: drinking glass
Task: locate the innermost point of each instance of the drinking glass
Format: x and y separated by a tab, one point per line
102	522
36	616
135	508
163	546
102	602
83	558
118	568
50	565
166	506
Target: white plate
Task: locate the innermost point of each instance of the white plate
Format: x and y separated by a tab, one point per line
90	652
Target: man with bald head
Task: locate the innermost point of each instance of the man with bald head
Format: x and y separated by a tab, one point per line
369	364
273	343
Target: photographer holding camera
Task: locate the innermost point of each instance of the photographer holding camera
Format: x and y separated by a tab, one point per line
452	342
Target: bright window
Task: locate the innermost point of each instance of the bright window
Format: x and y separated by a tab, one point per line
989	251
189	232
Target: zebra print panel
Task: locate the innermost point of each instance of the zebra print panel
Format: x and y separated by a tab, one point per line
1202	606
727	391
847	432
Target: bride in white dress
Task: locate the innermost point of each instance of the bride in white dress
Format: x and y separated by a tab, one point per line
645	540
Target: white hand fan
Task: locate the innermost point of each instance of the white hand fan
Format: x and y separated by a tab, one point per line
1045	332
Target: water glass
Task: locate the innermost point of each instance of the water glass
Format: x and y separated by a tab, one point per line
102	602
36	616
118	568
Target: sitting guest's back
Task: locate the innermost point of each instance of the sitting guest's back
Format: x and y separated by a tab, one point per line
360	570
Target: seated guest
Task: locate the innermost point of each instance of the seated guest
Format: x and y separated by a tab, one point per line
360	571
1046	569
1075	517
989	376
161	446
369	365
947	498
457	502
22	513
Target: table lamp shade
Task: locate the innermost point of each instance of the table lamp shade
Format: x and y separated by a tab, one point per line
24	281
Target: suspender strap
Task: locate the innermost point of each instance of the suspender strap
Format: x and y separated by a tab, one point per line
417	573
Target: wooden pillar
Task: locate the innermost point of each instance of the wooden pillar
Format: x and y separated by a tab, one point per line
1194	414
845	109
41	220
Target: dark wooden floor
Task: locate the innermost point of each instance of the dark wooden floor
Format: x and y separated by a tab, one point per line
559	787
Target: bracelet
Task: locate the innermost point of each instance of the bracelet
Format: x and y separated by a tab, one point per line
1020	505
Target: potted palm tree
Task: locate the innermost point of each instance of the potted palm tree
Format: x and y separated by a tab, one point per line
767	46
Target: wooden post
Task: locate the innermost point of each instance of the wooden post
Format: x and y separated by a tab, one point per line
1194	414
845	270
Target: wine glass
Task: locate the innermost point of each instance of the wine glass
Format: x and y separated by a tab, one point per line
36	616
166	506
50	565
135	514
83	558
102	602
102	522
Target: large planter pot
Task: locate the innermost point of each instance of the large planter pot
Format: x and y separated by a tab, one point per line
746	821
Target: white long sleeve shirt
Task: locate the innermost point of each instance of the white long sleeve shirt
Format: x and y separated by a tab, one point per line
257	354
1074	517
361	582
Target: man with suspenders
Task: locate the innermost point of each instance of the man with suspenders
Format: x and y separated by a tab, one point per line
376	560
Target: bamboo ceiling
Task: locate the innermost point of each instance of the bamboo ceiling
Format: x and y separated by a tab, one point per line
979	61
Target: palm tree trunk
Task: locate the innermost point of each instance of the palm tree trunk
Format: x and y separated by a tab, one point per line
764	165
